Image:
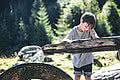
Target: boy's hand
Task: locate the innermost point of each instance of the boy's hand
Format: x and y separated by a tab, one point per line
84	27
85	24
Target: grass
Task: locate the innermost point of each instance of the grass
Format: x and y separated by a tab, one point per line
6	63
63	62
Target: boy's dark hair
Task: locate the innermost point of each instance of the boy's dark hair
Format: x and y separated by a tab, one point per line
89	18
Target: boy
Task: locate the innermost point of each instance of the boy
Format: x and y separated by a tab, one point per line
83	62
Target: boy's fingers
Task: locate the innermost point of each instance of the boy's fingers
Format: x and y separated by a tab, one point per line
85	24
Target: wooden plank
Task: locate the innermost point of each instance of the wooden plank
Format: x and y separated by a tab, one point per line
84	45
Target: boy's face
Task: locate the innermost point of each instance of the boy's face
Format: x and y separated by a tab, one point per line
84	26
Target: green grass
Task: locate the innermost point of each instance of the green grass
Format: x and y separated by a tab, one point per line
6	63
61	61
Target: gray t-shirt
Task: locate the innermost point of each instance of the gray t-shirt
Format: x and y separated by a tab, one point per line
80	59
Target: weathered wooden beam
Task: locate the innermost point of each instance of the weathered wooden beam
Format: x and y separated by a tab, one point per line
84	45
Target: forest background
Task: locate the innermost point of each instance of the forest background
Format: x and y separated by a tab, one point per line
40	22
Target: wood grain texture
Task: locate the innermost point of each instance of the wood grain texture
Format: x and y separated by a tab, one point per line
84	45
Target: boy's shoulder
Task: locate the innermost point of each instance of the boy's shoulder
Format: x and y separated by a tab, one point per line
75	28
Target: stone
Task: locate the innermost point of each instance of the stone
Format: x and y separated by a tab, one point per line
108	73
31	54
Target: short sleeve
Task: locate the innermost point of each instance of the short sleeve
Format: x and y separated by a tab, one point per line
69	35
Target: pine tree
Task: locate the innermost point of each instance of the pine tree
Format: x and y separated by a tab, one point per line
112	19
111	16
62	29
39	33
64	21
23	36
101	3
8	34
101	25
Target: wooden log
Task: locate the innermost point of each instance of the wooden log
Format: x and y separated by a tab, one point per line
84	45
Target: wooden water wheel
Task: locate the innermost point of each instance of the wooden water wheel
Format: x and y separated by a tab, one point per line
37	71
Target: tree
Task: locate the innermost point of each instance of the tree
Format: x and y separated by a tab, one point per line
22	9
53	11
101	3
62	29
118	3
73	11
113	20
39	33
8	33
100	25
111	16
3	5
